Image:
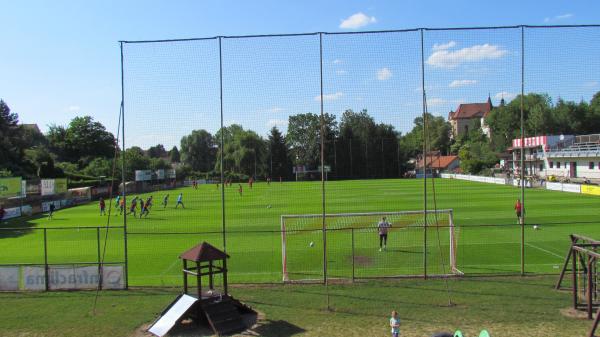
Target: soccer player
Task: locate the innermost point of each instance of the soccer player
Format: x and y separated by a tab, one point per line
383	227
165	201
250	181
240	189
180	201
117	201
519	211
142	207
102	205
2	212
51	212
133	207
121	206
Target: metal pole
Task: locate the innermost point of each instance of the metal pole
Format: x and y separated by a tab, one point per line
323	173
47	281
522	152
353	256
424	159
382	161
222	149
123	173
99	257
575	257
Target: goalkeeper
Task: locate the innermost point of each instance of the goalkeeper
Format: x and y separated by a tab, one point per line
382	228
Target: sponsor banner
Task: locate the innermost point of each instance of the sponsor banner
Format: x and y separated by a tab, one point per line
112	277
80	195
100	190
590	189
34	278
33	188
13	212
573	188
10	187
47	186
60	186
46	205
143	175
553	186
9	278
170	174
23	188
160	174
26	210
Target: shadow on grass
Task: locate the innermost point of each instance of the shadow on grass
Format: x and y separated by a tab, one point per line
18	227
277	328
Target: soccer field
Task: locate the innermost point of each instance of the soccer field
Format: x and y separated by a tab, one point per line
488	239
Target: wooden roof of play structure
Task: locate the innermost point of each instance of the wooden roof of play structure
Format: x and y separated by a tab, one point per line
203	252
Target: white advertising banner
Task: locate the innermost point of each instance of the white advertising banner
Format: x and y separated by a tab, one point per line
170	174
160	174
47	186
33	278
46	205
573	188
143	175
13	212
9	278
554	186
112	277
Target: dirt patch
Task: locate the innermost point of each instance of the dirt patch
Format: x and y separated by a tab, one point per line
572	313
362	261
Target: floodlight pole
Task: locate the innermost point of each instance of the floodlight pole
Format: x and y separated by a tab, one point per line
522	217
123	172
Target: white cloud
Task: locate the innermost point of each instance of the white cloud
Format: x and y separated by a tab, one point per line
384	74
508	96
558	17
357	20
341	72
277	122
461	83
453	58
444	46
74	108
337	61
591	84
275	110
329	97
434	101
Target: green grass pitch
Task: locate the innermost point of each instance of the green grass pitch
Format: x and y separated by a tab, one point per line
488	239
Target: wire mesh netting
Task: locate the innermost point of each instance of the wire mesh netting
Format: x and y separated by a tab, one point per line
223	136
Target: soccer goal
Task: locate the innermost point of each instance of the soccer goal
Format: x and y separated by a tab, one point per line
416	244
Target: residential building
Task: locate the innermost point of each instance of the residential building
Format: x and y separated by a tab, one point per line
469	115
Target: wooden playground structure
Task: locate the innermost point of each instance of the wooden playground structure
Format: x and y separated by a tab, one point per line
582	263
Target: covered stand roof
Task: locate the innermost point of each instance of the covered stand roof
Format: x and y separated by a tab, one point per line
203	252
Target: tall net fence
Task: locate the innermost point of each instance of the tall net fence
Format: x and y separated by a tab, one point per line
256	127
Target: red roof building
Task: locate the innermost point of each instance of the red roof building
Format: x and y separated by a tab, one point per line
441	163
467	115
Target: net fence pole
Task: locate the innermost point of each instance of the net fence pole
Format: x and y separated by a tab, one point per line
46	278
353	256
323	172
522	152
424	159
125	253
221	157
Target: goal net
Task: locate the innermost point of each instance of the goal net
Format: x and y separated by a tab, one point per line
351	247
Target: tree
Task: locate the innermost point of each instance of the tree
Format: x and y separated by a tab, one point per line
279	161
83	140
101	167
42	162
174	155
11	141
304	137
157	151
198	150
135	159
244	151
159	164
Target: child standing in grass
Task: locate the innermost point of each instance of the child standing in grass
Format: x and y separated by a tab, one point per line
395	324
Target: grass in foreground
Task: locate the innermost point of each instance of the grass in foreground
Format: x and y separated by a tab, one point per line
254	243
507	307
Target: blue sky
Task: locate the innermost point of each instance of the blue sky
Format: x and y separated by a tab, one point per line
61	59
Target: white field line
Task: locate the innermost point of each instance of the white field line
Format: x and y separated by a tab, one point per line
544	250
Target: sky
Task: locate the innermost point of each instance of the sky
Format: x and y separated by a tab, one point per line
61	59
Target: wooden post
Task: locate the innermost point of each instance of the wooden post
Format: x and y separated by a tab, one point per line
225	277
185	281
589	287
575	253
595	325
210	275
564	268
199	278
